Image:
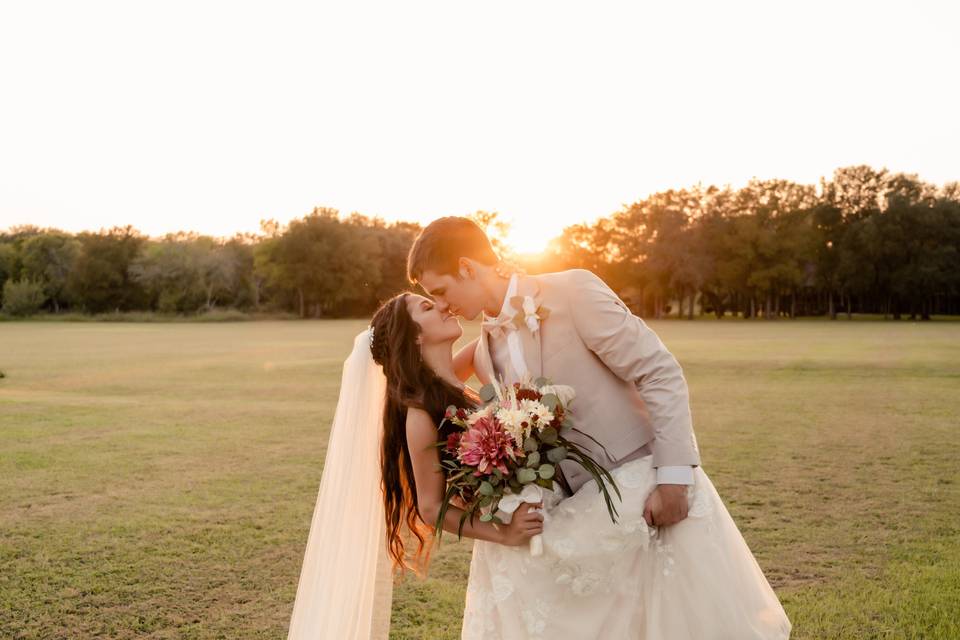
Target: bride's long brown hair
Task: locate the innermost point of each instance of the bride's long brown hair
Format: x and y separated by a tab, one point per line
410	383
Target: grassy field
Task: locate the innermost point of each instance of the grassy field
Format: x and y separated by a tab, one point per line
157	480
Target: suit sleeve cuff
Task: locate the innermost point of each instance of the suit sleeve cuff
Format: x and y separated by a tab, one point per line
675	475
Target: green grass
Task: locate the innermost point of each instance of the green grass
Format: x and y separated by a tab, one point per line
157	479
212	315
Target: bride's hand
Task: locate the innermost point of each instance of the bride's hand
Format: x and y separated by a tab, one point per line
525	524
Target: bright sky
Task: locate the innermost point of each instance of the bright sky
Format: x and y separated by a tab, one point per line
209	116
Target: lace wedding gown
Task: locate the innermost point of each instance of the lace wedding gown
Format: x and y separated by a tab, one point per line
695	580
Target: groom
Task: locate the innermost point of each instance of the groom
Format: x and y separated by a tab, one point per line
572	328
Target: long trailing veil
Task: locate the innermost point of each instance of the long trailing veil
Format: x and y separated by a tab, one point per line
346	582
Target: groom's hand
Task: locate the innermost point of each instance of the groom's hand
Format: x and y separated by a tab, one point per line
666	505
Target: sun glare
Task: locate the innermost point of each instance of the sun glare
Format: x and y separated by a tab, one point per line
529	236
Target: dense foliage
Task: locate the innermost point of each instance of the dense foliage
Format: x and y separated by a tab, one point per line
864	241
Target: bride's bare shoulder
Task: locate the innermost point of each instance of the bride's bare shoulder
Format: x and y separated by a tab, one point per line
419	421
421	434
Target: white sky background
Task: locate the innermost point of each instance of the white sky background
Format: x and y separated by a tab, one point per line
209	116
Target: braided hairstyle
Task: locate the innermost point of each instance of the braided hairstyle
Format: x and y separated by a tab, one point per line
410	383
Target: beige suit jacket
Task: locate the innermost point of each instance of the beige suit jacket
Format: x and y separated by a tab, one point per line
631	393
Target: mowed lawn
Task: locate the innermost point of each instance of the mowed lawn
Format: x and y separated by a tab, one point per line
158	480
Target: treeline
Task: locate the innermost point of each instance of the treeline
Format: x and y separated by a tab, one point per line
865	241
317	266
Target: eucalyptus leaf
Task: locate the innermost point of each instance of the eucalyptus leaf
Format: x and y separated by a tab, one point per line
546	471
548	435
557	454
487	517
486	489
526	476
530	444
533	459
541	382
550	401
487	393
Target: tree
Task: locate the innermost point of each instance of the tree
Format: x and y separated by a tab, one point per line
168	272
857	191
100	279
8	263
49	258
496	229
326	263
22	297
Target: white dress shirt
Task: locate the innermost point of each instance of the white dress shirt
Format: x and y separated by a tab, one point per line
665	475
514	345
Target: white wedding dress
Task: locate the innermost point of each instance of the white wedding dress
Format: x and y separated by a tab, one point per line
695	580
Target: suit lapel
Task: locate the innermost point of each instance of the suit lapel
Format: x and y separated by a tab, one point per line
482	362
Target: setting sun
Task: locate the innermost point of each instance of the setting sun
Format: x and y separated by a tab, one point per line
529	235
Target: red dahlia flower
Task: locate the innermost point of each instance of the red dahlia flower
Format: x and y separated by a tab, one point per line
485	446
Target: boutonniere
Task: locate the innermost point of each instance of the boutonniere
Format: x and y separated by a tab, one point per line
529	312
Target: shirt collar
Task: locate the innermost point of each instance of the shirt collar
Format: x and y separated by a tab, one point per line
507	310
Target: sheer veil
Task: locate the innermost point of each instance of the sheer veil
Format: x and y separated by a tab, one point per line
346	582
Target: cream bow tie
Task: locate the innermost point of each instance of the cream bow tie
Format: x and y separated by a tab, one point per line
499	326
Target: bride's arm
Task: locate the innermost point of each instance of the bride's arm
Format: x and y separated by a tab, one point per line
421	441
463	360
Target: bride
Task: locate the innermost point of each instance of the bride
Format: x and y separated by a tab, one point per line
696	579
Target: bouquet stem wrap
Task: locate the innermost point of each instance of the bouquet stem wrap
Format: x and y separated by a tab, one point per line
531	494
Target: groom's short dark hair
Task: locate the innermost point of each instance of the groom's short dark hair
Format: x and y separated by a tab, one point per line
443	242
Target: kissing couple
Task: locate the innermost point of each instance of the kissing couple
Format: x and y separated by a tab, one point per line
671	566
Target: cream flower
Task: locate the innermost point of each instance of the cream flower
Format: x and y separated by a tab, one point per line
530	314
484	412
536	408
513	421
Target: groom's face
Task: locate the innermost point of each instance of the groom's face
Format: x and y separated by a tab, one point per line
461	296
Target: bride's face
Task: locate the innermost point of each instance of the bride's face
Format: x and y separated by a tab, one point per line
435	325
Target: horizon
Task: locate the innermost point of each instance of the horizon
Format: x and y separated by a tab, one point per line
511	239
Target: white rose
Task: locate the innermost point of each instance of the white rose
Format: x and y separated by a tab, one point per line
564	392
529	306
530	314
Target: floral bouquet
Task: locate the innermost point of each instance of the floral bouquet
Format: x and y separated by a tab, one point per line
506	452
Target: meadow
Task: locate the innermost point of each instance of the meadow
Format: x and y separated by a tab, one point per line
157	480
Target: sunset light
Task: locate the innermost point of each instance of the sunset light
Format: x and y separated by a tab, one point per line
550	113
290	289
530	235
